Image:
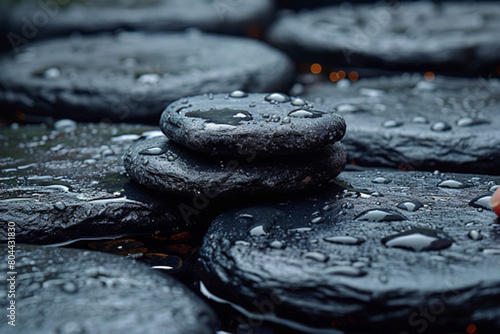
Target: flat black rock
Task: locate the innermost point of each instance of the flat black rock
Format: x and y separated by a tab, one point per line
160	164
132	76
448	124
399	252
70	183
238	124
29	19
74	291
449	36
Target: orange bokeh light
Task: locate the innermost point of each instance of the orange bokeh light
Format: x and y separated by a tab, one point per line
316	68
471	329
342	75
334	76
429	76
353	76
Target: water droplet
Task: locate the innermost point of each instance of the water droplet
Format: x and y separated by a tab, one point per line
222	116
344	271
482	201
252	104
286	120
275	118
300	229
52	73
69	287
276	244
71	327
440	127
469	121
418	240
278	97
392	124
316	256
419	120
411	206
65	125
299	102
153	151
381	180
491	251
475	235
317	220
57	187
238	94
380	215
242	243
60	206
257	231
302	113
347	108
171	157
452	184
149	79
345	240
494	188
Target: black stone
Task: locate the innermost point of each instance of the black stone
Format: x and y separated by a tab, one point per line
160	164
450	36
70	183
240	124
61	290
448	124
25	18
310	263
133	76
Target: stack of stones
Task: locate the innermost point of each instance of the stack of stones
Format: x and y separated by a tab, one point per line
240	144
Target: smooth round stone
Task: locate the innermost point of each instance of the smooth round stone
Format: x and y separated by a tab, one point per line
417	35
64	17
356	270
65	182
448	124
253	124
172	168
133	76
60	290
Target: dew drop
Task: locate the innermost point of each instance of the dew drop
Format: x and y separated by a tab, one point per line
286	120
440	127
275	118
278	97
298	102
381	180
238	94
153	151
65	125
452	184
392	124
345	240
222	116
60	206
149	79
494	188
419	120
418	240
347	108
277	244
52	73
69	287
491	251
475	235
303	113
482	201
380	215
469	121
316	256
257	231
344	271
411	206
300	229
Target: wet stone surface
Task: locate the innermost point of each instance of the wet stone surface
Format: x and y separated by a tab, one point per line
416	35
152	15
350	258
133	76
241	124
448	124
160	164
74	291
67	181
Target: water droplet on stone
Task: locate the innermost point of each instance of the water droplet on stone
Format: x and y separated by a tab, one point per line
410	205
392	124
298	102
316	256
494	188
475	235
452	184
153	151
469	121
491	251
418	240
242	243
52	73
345	240
60	206
344	271
276	244
380	215
381	180
222	116
275	118
238	94
419	120
69	287
278	97
65	125
303	113
440	127
300	229
286	120
252	104
149	79
317	220
257	231
482	201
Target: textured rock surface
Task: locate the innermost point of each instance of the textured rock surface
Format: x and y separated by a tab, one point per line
351	258
399	35
153	15
160	164
58	185
133	76
73	291
448	124
241	124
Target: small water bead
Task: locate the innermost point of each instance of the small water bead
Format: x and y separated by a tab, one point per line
153	151
277	244
482	201
242	243
69	287
347	108
392	124
52	73
303	113
300	229
222	116
252	104
171	157
440	127
278	97
469	121
348	271
299	102
317	220
265	116
452	184
345	240
286	120
65	125
60	206
149	79
410	206
494	188
381	180
418	240
57	187
275	118
475	235
419	120
380	215
316	256
238	94
491	251
257	231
